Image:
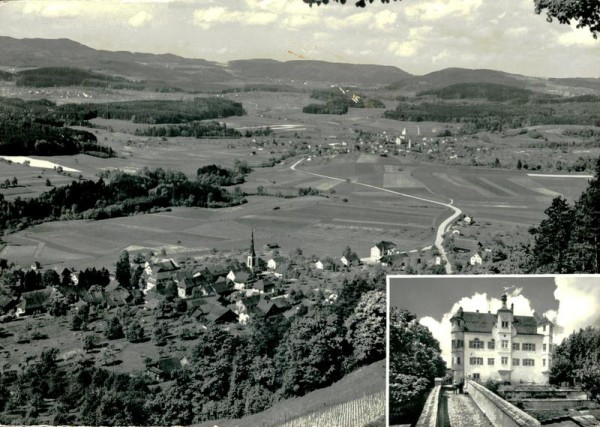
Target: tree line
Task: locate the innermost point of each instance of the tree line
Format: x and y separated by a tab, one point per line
123	194
567	240
497	116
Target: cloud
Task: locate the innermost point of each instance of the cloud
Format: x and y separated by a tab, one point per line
384	19
579	300
403	49
205	18
410	47
52	10
438	9
140	19
577	37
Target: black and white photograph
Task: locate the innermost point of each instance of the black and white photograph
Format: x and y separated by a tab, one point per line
201	202
494	350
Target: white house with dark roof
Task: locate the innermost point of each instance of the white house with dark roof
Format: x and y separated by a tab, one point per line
239	278
501	346
382	249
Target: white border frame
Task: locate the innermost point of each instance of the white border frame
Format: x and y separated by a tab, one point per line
442	276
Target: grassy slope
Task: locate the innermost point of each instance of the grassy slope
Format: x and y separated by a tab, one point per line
367	380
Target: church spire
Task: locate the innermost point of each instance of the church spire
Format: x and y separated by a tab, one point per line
252	261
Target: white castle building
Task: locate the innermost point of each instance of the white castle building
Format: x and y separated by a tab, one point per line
502	346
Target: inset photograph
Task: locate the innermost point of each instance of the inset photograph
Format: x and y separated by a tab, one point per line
493	350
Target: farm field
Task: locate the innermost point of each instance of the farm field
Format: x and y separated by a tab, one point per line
346	214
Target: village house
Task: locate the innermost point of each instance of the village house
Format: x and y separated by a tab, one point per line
164	368
476	259
466	245
282	269
185	285
264	286
36	301
501	346
274	262
239	279
159	273
7	303
273	307
382	249
350	260
116	296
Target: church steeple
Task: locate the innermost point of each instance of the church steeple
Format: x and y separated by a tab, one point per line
251	262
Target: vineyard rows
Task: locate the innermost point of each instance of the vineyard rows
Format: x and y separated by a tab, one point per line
355	413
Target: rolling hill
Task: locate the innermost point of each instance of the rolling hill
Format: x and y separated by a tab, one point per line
319	71
192	74
452	76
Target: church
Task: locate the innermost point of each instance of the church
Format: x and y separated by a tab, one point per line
502	346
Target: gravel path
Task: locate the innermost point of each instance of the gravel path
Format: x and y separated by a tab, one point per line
462	411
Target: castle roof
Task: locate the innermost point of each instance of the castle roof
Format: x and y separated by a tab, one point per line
485	322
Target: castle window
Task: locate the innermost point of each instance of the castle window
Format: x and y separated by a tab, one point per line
476	360
490	361
476	343
544	328
453	343
544	346
544	362
516	362
458	360
504	360
528	346
460	344
505	324
528	362
504	343
476	377
516	346
491	345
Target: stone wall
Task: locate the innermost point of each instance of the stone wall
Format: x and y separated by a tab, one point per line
500	412
429	415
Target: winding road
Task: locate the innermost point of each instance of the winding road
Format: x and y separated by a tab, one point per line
443	227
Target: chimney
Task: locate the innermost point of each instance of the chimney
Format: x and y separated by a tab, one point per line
477	311
512	307
489	311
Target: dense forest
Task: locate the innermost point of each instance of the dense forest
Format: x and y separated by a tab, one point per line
229	375
40	127
490	91
33	127
497	116
69	76
72	76
154	111
337	101
566	241
202	130
123	194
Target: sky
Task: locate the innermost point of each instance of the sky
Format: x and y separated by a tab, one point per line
418	36
570	302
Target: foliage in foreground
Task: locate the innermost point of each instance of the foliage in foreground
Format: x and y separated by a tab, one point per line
229	375
415	362
577	359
